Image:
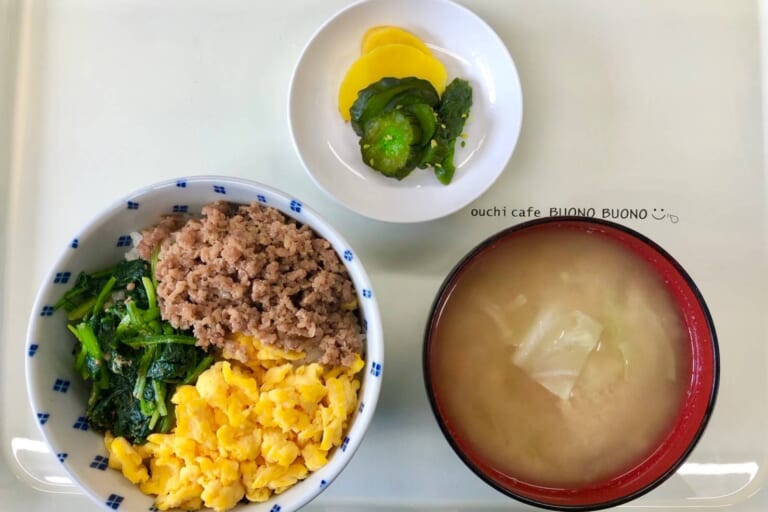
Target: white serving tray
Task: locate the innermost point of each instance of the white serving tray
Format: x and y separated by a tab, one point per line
628	104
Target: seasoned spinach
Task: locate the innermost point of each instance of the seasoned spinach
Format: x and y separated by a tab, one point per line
133	359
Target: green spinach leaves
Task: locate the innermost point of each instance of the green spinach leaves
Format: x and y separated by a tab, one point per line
132	359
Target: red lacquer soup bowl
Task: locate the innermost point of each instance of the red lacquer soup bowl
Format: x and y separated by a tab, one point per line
699	381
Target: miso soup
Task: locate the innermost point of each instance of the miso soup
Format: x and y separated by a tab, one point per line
559	357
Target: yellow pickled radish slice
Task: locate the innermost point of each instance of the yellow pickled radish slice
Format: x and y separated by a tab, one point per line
385	34
390	60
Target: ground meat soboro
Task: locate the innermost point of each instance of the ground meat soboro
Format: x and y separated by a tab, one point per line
250	269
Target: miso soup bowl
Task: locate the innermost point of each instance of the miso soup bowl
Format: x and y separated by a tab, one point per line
691	417
58	395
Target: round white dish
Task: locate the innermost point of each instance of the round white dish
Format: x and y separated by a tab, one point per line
328	147
58	395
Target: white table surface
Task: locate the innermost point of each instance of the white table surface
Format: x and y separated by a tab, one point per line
638	104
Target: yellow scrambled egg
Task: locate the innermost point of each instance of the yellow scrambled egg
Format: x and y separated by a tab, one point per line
243	431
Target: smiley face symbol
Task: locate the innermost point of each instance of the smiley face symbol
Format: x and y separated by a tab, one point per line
658	214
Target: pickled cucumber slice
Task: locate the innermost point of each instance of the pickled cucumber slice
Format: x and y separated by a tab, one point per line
386	94
391	143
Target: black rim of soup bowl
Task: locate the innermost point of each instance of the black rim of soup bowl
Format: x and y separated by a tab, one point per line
441	297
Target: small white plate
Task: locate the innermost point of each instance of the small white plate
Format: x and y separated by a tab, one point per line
328	148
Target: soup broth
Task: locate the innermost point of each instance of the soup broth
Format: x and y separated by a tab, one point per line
559	357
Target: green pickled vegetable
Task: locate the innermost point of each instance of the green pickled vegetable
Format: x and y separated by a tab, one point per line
426	119
452	115
454	108
386	94
403	123
390	143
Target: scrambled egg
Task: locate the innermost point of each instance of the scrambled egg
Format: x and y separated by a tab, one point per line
243	431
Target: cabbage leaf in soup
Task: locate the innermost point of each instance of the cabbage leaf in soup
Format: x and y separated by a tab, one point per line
556	347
